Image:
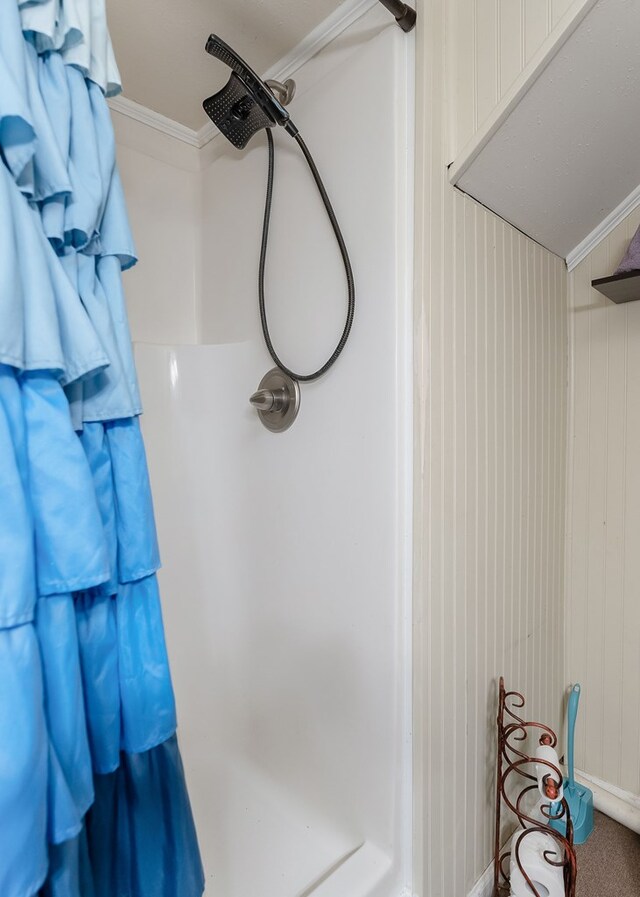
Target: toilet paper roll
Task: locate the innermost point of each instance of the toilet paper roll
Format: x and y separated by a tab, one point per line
547	880
547	778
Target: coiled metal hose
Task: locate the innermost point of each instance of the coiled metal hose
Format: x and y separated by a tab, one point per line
351	302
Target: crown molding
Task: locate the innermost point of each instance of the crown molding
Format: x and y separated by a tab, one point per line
346	14
153	119
599	233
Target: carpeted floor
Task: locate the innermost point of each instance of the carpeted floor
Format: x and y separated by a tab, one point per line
609	862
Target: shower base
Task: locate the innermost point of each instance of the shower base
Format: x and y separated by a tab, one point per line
260	839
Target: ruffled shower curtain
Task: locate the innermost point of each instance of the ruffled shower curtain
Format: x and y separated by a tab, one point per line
92	795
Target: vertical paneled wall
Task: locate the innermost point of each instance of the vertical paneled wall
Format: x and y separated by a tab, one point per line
491	387
490	43
603	533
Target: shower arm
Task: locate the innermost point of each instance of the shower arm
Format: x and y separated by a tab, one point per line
404	15
285	92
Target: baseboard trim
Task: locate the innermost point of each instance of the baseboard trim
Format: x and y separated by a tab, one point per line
484	885
623	806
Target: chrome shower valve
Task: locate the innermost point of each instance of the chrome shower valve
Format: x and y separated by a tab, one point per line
277	400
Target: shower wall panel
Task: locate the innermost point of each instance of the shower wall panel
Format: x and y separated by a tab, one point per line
287	558
163	187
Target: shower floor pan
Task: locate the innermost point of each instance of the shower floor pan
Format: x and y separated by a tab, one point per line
256	839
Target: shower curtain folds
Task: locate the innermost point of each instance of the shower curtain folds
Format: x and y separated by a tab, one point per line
93	801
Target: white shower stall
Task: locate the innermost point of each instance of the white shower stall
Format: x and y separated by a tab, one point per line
341	599
287	557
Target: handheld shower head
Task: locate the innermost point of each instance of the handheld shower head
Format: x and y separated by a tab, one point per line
245	105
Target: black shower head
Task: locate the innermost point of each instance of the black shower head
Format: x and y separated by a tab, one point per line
245	105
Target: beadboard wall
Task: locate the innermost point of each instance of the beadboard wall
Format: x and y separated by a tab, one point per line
603	523
490	425
491	42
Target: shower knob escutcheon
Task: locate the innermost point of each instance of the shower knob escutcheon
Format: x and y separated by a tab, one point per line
277	400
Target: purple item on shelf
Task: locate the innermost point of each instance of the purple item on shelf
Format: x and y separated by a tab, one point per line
631	260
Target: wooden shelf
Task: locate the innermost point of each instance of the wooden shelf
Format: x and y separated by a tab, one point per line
619	287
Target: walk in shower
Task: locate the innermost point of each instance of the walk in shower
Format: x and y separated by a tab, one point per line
287	557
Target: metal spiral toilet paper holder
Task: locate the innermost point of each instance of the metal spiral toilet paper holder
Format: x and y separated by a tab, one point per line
513	765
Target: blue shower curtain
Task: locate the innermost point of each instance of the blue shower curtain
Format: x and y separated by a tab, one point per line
92	795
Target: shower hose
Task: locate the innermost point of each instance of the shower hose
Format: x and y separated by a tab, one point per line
263	258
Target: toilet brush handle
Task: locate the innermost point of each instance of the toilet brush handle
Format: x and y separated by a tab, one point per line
572	713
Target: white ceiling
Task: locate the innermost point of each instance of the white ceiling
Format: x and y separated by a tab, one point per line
159	45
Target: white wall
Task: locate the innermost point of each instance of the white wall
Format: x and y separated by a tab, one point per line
603	561
162	185
286	580
491	369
